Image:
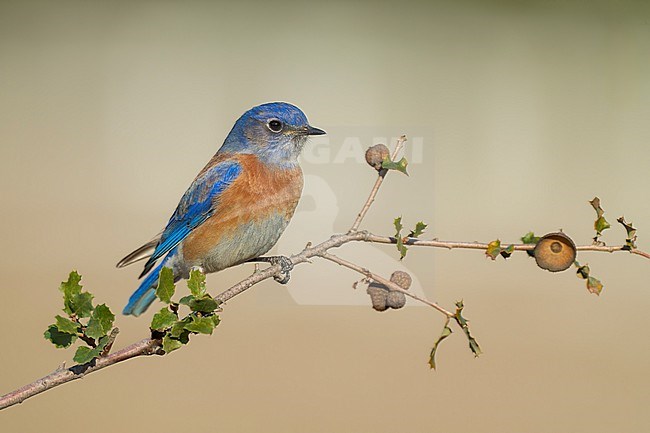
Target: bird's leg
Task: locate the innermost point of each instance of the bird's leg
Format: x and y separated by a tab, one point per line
285	263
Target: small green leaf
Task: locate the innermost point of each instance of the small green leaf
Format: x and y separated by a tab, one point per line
401	248
446	332
204	305
101	322
185	300
166	288
80	305
58	338
75	302
72	286
200	325
196	283
85	354
419	229
216	320
170	344
594	285
399	240
464	324
67	325
395	165
493	249
178	328
398	227
630	241
507	252
601	224
163	319
583	271
530	238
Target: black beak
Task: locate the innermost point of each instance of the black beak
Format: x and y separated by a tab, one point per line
314	131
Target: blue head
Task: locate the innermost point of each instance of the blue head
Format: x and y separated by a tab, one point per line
275	132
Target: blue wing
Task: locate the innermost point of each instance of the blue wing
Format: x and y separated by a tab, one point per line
196	206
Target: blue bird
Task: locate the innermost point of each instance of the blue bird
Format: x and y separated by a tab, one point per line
237	207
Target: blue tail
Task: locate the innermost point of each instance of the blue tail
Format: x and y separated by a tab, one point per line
146	293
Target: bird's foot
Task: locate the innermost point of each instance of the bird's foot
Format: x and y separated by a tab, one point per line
286	265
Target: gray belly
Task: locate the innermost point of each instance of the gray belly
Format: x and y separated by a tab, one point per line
247	242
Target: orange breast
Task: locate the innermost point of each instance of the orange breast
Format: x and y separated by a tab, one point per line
249	216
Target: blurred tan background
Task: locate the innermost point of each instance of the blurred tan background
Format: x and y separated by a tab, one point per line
519	113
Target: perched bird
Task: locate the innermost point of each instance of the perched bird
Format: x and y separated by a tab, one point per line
237	207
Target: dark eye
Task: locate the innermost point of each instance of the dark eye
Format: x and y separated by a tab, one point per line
274	125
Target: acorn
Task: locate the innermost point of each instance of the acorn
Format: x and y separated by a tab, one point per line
378	295
555	252
395	299
402	279
375	155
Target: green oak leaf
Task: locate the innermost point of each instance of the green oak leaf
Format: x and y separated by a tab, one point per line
530	238
85	354
170	344
200	325
185	300
446	332
419	229
400	165
398	226
66	325
80	305
601	223
507	252
75	302
58	338
464	324
163	319
399	240
166	288
493	249
196	283
72	286
178	328
630	241
101	322
401	248
203	305
593	284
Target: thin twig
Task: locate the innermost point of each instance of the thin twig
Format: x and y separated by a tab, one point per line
375	188
61	376
484	246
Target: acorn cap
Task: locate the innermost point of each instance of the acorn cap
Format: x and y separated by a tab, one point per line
376	154
402	279
378	295
555	252
395	300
